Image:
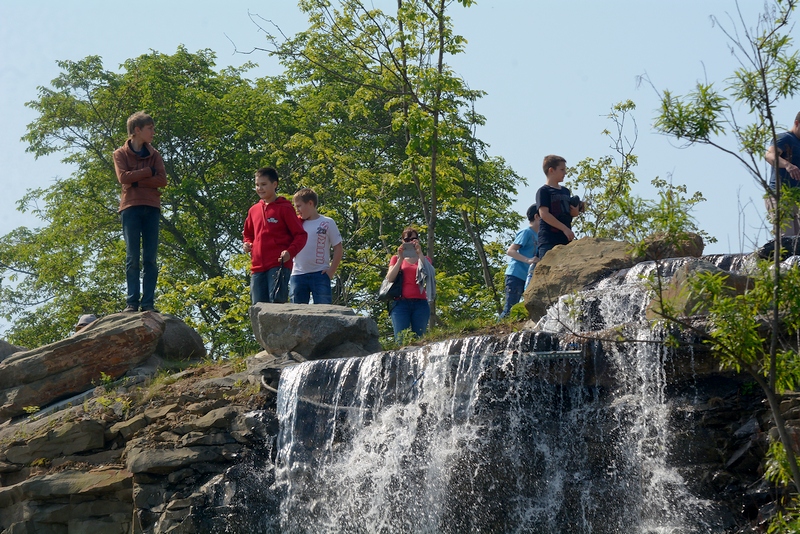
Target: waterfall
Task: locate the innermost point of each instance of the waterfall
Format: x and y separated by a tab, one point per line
535	432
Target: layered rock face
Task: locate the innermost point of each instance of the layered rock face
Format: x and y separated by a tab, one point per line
180	454
104	351
195	451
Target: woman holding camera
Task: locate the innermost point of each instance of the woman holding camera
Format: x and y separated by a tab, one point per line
412	308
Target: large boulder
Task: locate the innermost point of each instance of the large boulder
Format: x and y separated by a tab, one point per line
110	346
678	300
314	331
180	342
661	246
7	349
69	438
569	268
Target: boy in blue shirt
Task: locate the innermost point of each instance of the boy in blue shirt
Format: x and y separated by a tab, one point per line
522	260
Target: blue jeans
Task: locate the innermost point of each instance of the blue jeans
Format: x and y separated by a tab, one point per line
306	285
270	286
140	228
514	288
412	313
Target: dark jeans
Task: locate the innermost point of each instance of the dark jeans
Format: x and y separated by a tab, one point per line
514	288
412	313
542	250
140	228
304	286
270	286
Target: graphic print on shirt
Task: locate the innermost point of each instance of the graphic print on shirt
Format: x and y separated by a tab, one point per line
322	238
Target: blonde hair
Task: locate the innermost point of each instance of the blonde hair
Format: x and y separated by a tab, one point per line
307	195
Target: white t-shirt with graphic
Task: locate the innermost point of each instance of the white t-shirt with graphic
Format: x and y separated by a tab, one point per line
316	255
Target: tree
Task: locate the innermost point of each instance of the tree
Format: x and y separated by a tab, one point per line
768	72
383	116
613	211
213	130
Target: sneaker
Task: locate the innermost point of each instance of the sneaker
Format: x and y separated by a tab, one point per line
150	308
130	309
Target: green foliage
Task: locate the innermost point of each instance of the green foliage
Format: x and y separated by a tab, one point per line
518	313
41	462
736	334
613	211
213	130
386	136
756	331
107	381
367	113
769	72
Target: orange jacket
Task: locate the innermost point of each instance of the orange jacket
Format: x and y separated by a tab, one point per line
133	169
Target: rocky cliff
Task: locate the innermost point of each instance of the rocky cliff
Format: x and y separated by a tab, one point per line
194	451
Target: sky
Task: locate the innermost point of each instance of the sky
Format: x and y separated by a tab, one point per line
551	71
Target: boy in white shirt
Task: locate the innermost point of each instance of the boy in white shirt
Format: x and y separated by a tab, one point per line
313	267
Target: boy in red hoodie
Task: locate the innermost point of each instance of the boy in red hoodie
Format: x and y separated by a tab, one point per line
273	235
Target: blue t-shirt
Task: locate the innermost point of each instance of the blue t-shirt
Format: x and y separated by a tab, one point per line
789	149
557	200
528	242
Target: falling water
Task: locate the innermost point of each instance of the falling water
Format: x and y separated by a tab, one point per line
529	433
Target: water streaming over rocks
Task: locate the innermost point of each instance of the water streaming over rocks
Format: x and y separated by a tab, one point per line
536	432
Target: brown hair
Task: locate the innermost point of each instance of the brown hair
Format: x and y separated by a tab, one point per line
306	195
408	231
551	162
140	119
797	118
268	172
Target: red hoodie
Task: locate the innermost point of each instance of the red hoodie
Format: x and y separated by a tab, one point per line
273	228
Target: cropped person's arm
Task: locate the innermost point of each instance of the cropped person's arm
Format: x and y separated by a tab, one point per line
513	251
391	274
775	160
159	177
126	176
336	259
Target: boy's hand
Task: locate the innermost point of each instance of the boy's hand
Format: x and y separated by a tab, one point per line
533	260
247	247
285	256
570	234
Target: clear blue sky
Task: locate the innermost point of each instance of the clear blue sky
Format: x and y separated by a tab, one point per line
552	70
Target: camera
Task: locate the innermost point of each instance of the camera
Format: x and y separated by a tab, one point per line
409	251
576	201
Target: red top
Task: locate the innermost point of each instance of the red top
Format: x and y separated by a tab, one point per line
410	287
273	228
